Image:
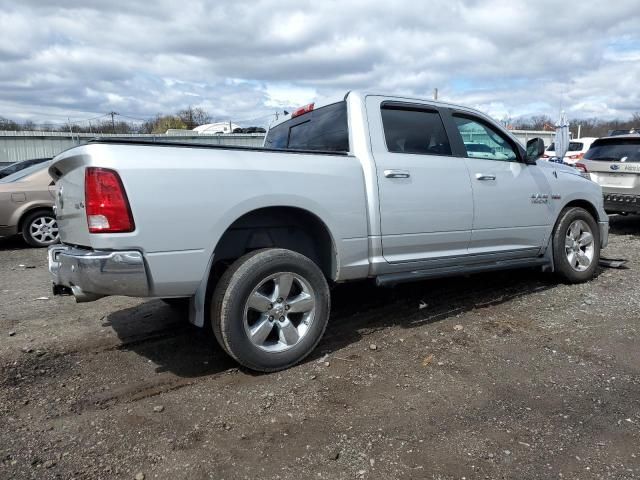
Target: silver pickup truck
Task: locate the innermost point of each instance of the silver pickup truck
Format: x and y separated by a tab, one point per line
369	187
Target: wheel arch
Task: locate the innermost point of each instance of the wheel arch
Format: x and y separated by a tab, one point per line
582	203
294	228
29	210
578	202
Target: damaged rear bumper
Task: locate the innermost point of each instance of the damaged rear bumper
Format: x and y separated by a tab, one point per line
93	274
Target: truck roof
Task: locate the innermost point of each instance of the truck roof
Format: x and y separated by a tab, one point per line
364	94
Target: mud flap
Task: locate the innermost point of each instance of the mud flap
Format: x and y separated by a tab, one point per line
613	262
198	302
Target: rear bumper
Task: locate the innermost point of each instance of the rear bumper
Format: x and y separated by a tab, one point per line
620	202
92	274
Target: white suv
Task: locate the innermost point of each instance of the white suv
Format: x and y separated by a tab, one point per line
614	163
575	152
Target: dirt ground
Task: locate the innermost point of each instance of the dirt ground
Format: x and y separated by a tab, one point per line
509	375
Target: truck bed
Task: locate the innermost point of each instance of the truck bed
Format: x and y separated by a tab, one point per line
184	197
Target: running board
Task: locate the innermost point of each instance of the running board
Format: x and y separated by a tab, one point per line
415	275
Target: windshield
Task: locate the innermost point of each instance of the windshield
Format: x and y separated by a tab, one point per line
573	147
16	167
14	177
617	151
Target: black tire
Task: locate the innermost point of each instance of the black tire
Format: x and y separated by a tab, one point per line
563	267
232	294
38	238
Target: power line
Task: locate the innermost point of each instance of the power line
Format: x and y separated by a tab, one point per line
136	118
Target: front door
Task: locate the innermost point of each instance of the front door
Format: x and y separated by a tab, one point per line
512	200
426	205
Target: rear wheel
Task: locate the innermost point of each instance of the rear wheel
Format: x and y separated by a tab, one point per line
576	245
270	309
40	229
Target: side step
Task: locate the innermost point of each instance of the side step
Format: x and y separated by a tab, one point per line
415	275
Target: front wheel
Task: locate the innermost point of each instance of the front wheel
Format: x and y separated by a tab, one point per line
40	229
270	309
576	245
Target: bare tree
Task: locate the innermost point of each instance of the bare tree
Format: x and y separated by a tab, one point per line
193	117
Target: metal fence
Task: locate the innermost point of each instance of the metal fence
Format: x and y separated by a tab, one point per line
17	146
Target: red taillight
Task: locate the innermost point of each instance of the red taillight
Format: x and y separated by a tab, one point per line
582	167
576	157
545	156
106	202
302	110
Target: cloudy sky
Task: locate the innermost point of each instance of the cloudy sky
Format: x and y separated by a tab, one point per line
243	60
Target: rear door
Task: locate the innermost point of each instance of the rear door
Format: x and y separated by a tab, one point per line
426	206
512	200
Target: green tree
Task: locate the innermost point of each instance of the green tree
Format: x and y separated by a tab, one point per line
164	123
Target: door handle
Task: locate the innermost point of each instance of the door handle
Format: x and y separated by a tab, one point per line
483	176
397	174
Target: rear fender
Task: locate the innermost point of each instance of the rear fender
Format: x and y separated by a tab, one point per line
20	214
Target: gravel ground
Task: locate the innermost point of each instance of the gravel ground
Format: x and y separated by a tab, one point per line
508	375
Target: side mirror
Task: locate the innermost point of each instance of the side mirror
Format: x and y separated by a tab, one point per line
535	149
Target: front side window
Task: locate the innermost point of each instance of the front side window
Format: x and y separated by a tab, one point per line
415	131
482	141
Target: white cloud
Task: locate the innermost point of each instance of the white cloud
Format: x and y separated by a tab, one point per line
243	59
284	95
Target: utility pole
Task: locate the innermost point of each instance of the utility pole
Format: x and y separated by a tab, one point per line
113	123
435	93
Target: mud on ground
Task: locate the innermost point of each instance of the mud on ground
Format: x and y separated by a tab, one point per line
509	375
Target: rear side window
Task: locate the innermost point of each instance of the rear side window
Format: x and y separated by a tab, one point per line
627	150
414	130
325	129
